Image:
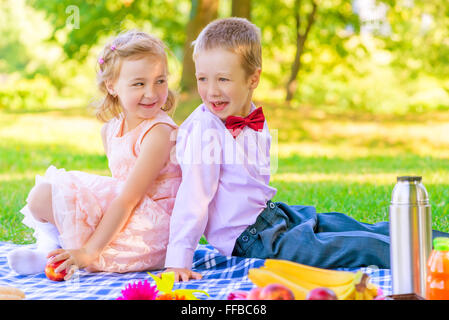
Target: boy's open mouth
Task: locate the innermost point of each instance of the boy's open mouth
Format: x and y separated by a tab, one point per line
219	105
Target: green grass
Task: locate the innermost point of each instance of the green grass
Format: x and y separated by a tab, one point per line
343	162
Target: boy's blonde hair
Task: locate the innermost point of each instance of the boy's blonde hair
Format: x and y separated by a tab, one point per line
132	44
235	34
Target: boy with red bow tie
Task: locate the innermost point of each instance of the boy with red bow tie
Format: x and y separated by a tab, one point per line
223	149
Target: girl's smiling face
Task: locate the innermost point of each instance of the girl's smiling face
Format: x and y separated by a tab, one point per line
141	88
223	85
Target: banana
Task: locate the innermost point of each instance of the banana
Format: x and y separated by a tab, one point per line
263	277
364	290
345	292
301	279
349	294
298	279
372	288
368	295
319	276
358	295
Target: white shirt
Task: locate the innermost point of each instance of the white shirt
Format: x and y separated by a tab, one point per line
225	185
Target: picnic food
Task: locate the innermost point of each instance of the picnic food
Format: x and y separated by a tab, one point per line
321	294
295	270
262	277
300	279
437	282
276	291
11	293
254	294
50	271
269	292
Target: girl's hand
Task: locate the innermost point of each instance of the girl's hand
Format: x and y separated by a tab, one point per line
183	274
74	260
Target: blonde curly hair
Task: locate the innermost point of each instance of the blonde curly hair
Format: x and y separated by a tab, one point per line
131	44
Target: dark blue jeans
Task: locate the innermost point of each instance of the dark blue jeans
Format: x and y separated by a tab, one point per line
325	240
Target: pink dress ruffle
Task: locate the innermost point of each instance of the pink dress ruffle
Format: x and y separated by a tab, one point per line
80	199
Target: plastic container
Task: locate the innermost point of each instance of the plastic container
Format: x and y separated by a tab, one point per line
437	282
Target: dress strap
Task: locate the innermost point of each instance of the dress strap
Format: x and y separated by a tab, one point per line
161	118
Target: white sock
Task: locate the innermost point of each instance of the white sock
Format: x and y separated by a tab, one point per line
26	261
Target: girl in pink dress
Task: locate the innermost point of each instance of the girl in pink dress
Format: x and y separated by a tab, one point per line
118	223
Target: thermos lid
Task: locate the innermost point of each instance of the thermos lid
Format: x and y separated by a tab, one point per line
409	191
409	178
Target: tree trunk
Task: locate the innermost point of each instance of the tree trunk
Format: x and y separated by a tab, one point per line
241	8
300	42
201	13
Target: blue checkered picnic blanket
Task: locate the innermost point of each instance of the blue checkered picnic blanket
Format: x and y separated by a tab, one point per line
221	275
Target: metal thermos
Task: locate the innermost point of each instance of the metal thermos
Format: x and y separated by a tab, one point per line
410	236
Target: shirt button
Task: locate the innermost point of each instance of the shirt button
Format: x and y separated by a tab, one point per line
253	231
245	238
272	205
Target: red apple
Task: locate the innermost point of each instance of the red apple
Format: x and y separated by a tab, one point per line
50	271
321	294
254	294
276	291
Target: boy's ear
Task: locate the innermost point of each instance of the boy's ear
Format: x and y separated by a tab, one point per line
255	78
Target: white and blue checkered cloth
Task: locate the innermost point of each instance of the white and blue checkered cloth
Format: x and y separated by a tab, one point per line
221	275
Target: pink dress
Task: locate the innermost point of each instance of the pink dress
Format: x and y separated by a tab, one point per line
80	199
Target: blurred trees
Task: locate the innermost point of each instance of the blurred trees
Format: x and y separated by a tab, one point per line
241	8
201	13
300	42
312	27
103	18
393	57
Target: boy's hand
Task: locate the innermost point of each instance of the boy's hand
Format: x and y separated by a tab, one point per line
183	274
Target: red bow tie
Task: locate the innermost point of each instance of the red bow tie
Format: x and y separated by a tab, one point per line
254	120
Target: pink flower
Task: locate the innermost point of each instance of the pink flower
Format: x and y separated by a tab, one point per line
237	295
380	292
139	291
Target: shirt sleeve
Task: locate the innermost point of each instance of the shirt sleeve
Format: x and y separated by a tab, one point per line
198	153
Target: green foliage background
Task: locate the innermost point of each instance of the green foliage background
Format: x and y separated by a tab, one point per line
46	62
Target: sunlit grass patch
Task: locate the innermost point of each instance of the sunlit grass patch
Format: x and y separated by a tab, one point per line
336	162
77	133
